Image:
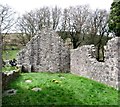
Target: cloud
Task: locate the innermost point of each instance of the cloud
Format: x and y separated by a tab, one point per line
27	5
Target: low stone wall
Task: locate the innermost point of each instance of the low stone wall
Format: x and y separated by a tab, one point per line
84	63
7	77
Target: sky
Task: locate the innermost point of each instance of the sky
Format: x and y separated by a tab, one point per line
22	6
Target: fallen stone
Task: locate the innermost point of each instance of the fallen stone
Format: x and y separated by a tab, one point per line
62	77
10	92
28	81
37	89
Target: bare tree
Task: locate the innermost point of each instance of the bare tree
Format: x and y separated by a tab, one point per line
26	26
43	17
102	31
95	21
32	22
98	28
64	19
6	20
64	24
76	20
56	14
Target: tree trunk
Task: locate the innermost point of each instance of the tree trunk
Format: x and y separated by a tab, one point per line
98	52
103	53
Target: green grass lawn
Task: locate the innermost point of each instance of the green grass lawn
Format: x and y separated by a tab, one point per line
70	90
9	54
8	68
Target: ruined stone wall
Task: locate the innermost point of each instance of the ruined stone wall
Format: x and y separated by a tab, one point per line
45	52
7	77
84	63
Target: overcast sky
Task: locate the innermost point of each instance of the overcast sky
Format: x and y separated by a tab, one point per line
26	5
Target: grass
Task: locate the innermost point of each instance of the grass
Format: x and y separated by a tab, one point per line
9	54
8	68
70	90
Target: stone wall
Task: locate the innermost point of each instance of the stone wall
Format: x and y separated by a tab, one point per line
7	77
45	52
84	63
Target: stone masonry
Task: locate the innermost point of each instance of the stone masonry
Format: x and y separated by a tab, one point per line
84	63
7	77
45	52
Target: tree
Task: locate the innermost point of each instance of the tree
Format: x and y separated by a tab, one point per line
102	31
30	23
114	19
80	17
45	13
95	22
64	26
7	16
56	14
27	27
34	21
76	22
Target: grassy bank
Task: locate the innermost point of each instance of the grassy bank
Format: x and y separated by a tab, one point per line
59	89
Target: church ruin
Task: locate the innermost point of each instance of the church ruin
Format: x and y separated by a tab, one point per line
46	52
